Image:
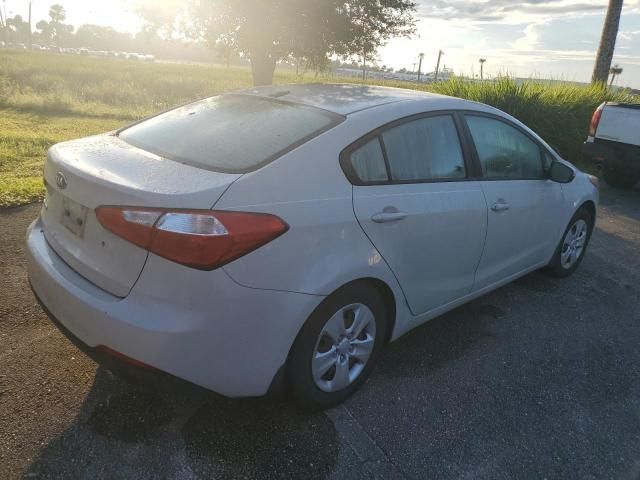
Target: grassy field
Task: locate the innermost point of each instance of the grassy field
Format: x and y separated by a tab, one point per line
45	99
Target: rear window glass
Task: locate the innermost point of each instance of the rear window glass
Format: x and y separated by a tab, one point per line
230	133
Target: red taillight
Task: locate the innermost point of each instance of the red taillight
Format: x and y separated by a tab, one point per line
595	120
203	239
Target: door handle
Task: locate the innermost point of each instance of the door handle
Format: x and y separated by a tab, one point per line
387	217
500	207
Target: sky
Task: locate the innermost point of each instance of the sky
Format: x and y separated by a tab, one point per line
535	38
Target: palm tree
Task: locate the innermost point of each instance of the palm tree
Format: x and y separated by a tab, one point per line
614	71
57	15
607	42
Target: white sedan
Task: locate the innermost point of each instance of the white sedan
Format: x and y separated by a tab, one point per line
281	236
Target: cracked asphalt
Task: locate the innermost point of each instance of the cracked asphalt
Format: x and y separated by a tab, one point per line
539	379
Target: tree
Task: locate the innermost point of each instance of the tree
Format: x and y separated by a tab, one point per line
482	60
266	32
607	42
17	29
54	29
57	14
614	71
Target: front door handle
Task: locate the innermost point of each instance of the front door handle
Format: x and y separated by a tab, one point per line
500	207
387	217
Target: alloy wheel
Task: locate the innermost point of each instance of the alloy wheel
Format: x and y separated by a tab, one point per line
573	243
343	348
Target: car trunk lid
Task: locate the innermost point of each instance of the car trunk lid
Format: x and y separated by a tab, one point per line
104	170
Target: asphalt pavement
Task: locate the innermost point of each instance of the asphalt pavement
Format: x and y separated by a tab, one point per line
539	379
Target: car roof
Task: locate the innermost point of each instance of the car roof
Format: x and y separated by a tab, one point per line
346	98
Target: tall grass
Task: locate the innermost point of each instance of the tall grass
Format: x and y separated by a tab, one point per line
46	98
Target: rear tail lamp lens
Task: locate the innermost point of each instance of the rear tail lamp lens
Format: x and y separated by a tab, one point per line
203	239
595	120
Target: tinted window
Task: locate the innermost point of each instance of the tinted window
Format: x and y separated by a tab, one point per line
504	151
230	133
424	149
368	162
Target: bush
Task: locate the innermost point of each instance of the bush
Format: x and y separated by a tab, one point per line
559	112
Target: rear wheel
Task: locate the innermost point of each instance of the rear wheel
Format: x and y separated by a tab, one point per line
573	245
337	348
618	180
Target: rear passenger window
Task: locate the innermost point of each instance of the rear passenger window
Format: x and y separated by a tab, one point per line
368	162
424	149
504	151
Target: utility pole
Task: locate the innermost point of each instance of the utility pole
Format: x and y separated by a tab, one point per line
29	25
364	65
435	77
420	56
3	22
607	42
482	60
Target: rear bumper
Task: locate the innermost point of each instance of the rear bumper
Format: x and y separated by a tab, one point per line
621	157
198	326
148	376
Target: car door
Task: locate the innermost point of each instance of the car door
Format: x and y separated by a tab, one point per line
416	202
524	205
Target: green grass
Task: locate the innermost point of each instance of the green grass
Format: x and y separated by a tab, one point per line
45	99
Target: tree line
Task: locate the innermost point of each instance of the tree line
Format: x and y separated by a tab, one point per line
309	32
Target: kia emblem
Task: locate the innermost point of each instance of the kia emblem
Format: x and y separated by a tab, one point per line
61	180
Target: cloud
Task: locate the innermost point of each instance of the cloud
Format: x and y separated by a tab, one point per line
506	10
629	35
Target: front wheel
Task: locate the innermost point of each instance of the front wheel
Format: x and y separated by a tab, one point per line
573	245
336	349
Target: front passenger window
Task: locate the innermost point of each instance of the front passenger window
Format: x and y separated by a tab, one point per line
503	150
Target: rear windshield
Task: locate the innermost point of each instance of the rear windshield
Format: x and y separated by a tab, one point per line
229	133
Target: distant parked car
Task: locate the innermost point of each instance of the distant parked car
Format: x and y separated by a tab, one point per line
613	143
287	233
19	46
149	58
83	51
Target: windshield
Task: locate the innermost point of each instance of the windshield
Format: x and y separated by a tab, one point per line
230	133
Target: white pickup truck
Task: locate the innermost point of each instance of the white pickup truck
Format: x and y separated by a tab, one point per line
613	143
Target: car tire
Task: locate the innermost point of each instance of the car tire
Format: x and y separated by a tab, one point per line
618	180
316	344
572	246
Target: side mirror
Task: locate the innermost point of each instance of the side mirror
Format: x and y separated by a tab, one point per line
561	173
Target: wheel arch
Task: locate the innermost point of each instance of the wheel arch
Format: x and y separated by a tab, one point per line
590	206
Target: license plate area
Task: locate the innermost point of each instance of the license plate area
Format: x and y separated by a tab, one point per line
74	216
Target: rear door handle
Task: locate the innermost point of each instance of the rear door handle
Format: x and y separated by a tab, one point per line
387	217
500	207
